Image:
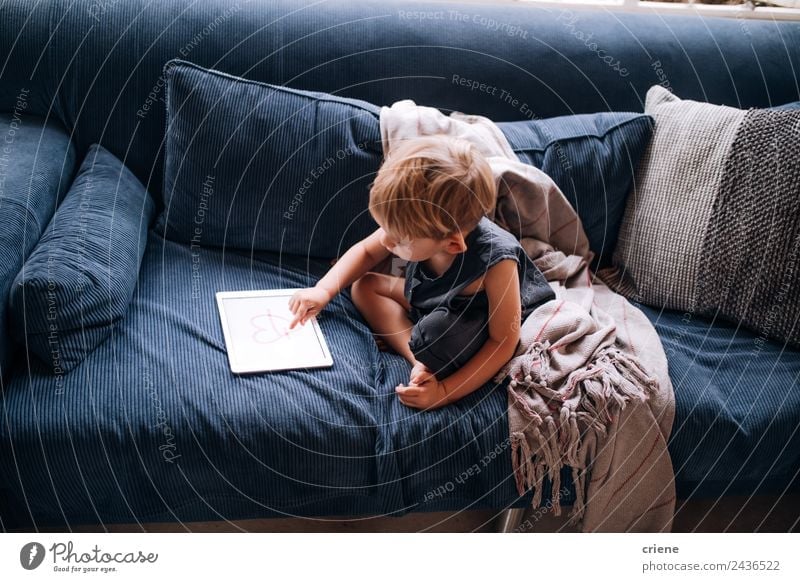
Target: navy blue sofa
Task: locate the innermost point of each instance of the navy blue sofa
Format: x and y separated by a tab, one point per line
153	427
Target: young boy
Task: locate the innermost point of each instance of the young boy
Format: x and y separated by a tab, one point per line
468	284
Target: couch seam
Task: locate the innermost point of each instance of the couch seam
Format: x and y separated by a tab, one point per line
28	211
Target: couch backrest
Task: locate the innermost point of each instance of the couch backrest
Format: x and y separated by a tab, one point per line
96	65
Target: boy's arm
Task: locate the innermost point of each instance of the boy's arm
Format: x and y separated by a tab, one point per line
360	258
505	309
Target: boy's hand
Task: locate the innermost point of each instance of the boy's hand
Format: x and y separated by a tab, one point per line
306	303
420	374
427	396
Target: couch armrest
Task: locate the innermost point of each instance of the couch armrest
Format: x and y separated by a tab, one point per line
37	161
79	280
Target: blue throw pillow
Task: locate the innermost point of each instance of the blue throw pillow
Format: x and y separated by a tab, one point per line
79	279
593	158
255	166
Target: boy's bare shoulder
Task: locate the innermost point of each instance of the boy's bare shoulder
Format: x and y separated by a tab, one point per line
373	247
498	276
502	269
502	290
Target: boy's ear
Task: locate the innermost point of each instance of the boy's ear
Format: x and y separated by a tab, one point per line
455	243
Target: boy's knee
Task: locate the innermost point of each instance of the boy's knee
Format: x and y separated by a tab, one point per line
364	285
444	340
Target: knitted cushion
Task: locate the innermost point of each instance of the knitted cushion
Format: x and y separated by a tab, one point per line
660	239
750	262
712	224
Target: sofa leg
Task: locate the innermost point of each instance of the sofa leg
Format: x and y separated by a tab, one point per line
511	519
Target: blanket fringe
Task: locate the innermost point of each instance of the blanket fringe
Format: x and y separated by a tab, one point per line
605	386
579	507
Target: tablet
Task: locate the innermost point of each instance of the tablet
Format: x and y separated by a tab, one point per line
257	335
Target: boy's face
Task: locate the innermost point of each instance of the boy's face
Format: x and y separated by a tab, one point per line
420	249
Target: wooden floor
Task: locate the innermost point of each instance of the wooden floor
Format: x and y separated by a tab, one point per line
729	514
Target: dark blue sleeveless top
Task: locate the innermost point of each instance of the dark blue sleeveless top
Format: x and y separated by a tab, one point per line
487	244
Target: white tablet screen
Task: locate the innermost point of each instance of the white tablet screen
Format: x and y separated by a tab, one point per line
258	337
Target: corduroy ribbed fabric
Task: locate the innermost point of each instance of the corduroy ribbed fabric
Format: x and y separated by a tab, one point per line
256	166
37	161
97	66
736	407
78	281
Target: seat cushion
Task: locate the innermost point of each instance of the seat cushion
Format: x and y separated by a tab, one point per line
80	277
158	428
737	407
153	426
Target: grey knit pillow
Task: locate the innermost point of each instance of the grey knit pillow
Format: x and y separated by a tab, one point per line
712	224
659	243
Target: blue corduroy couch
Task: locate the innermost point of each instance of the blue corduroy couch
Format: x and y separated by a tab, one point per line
153	427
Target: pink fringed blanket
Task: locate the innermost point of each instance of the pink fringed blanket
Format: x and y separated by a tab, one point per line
589	386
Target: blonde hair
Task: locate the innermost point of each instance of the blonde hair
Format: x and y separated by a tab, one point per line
432	187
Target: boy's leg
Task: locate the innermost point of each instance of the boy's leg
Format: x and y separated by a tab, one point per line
445	340
381	301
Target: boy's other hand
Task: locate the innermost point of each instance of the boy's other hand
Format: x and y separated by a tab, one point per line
432	394
420	374
307	303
